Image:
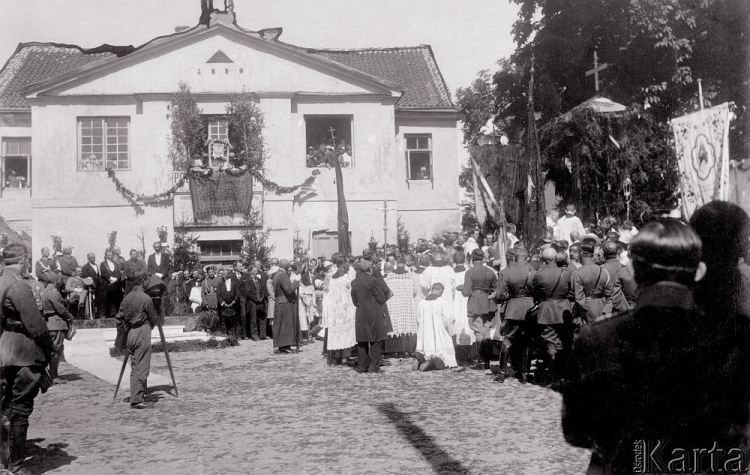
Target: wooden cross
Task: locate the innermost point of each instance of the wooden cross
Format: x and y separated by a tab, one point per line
333	135
597	67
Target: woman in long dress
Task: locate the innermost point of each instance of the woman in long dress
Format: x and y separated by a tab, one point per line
338	314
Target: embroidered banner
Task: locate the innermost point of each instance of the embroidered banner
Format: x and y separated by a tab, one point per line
702	146
221	194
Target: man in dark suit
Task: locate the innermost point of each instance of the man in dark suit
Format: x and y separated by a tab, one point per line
479	283
251	291
159	263
554	293
111	280
515	286
239	276
664	374
228	299
91	269
370	325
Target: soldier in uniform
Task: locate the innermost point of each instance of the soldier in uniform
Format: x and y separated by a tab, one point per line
58	319
25	350
554	293
138	316
67	263
592	287
611	252
479	282
515	286
46	268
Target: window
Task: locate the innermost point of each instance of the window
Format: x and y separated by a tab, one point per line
419	157
103	143
217	129
220	248
328	137
16	154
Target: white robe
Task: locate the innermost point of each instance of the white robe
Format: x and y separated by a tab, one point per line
433	339
464	334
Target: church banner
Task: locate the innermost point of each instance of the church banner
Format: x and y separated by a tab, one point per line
221	194
702	146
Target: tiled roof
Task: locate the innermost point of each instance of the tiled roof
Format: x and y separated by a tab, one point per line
414	68
35	62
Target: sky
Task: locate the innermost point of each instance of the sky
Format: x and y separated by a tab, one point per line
466	35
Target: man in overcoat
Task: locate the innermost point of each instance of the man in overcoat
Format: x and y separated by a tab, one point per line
370	324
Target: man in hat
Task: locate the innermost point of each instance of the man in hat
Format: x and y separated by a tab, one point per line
25	350
515	287
592	287
569	223
138	316
553	292
67	262
479	282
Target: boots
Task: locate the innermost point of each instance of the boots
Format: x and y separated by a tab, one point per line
4	442
525	367
17	446
500	378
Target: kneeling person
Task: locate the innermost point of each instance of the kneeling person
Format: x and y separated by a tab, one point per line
434	343
138	315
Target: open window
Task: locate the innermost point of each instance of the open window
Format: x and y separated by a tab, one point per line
16	166
419	157
328	138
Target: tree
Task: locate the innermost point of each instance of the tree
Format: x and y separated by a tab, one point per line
188	132
476	103
245	124
655	50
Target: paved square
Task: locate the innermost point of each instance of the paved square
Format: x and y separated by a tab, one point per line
245	410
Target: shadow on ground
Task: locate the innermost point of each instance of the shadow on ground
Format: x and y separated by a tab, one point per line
440	460
42	459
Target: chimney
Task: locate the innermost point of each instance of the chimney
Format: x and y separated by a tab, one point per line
179	29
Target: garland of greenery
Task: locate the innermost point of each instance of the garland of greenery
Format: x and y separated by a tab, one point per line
164	198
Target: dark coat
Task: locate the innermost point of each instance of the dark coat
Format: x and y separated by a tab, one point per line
92	270
662	372
251	288
106	274
515	286
479	283
164	268
28	343
617	273
592	287
368	297
554	298
41	270
229	297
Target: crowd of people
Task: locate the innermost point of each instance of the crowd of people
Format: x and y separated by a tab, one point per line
325	155
645	333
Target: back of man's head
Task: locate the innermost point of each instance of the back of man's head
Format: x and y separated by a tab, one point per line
724	229
284	264
365	266
666	250
549	255
424	260
561	259
610	249
14	253
401	261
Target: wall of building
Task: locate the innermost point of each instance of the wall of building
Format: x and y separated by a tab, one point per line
429	206
15	203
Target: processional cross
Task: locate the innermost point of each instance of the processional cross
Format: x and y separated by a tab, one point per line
597	67
385	210
333	135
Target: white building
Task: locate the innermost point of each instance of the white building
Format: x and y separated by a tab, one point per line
67	113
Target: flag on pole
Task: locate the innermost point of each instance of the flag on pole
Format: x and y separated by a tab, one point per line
702	146
534	223
486	205
345	245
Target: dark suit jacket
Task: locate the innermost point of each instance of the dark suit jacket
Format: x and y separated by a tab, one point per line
88	270
662	372
106	273
251	288
164	268
230	297
368	297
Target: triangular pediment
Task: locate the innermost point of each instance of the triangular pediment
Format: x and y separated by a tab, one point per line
219	57
236	61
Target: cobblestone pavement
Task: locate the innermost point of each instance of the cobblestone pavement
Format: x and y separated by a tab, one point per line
246	410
